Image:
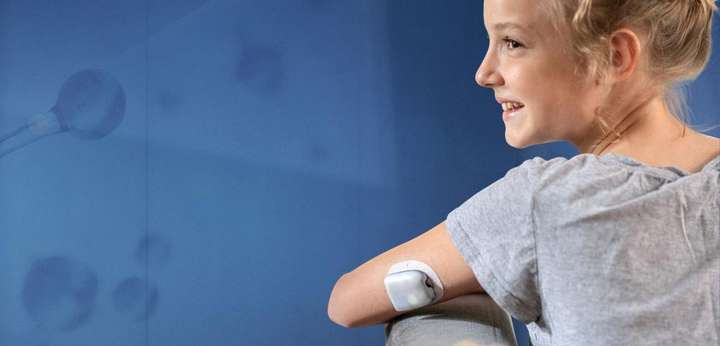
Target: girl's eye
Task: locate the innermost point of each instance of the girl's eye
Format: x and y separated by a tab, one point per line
512	44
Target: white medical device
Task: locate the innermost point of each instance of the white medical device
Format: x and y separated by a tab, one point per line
411	285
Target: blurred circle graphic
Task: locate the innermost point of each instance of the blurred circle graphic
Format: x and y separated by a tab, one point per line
153	248
91	104
136	298
59	293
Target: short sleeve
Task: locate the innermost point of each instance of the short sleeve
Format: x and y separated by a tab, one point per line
494	231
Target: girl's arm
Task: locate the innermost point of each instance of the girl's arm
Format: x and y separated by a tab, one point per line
359	298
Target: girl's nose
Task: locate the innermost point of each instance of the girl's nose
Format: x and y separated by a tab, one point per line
487	76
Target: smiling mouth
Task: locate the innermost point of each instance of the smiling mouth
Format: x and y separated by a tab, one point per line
509	113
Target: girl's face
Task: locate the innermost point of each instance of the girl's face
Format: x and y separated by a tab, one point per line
528	63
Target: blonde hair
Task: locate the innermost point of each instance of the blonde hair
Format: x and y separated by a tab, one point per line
679	39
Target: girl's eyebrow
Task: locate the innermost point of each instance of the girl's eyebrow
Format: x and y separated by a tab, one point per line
529	30
506	25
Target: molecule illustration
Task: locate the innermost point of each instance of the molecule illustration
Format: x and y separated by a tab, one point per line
90	105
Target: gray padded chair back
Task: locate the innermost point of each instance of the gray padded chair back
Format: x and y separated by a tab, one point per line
469	320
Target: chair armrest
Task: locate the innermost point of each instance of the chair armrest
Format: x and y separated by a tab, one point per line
469	320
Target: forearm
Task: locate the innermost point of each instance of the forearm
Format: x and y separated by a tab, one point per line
359	297
357	302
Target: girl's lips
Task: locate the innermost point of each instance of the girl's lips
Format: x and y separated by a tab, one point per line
502	100
507	115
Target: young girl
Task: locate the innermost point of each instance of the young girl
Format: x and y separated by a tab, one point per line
619	245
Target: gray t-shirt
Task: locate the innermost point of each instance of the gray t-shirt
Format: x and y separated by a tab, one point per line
599	250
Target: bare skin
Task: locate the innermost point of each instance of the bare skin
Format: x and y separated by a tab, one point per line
658	141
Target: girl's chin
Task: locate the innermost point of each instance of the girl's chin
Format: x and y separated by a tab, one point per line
515	141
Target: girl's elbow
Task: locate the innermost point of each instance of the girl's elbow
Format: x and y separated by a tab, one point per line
336	316
335	306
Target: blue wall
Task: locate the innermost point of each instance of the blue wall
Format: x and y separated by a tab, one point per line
201	172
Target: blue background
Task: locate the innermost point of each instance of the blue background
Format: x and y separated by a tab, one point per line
265	148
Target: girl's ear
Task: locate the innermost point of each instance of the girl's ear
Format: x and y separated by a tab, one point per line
625	52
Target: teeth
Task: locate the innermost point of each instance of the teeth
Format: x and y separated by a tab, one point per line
507	106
